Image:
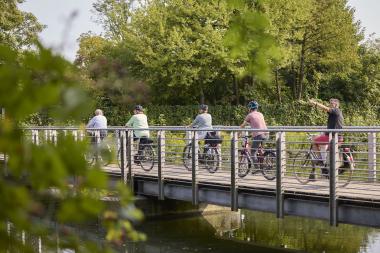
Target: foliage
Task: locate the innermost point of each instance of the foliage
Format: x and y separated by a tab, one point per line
294	114
18	29
221	52
249	39
36	180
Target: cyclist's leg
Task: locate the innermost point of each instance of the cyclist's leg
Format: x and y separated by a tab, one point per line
320	144
256	142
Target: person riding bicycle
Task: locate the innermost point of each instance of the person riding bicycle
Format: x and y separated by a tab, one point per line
334	121
98	121
202	121
256	120
139	120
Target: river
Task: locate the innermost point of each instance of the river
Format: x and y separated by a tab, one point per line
248	231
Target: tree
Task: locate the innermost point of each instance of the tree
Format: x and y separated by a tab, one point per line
324	41
18	29
179	46
114	15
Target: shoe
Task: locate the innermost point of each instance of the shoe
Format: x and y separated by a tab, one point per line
312	176
325	173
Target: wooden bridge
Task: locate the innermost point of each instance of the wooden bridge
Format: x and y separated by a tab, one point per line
339	197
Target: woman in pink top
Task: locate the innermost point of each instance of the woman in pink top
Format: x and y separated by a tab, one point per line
256	120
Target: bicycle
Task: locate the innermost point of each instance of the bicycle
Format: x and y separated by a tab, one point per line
210	157
145	157
306	162
266	161
98	152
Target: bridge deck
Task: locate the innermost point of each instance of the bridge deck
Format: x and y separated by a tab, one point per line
355	190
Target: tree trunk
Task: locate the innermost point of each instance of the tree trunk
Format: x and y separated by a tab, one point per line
202	95
294	86
301	73
278	86
236	90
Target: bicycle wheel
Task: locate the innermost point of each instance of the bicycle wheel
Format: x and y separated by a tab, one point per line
345	172
268	165
244	165
146	159
303	167
212	158
89	157
187	157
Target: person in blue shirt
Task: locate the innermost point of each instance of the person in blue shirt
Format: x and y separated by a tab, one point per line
98	121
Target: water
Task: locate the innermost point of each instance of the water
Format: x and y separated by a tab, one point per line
248	231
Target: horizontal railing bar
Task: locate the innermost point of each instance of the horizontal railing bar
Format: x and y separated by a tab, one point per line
349	129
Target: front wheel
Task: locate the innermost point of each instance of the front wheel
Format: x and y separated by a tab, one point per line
187	157
303	167
244	165
268	165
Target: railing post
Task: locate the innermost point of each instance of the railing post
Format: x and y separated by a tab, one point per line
75	135
81	135
188	137
161	157
47	138
280	172
130	159
333	179
372	157
97	146
35	138
53	137
194	167
123	153
234	166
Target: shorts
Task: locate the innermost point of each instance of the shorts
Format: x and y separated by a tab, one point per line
323	139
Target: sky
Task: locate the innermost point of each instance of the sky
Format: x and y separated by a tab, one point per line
61	34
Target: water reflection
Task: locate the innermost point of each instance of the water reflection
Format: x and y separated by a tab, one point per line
309	235
238	232
249	231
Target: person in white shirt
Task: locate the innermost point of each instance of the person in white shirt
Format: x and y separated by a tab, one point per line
98	121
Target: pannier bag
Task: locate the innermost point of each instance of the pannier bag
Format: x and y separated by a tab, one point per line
213	139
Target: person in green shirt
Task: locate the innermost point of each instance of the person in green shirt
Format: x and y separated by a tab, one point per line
139	120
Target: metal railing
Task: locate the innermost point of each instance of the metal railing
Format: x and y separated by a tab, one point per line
285	166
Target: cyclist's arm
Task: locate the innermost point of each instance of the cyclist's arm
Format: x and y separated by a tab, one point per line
90	124
244	124
319	105
195	122
130	122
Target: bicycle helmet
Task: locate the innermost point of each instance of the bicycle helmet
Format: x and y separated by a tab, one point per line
139	108
253	105
203	107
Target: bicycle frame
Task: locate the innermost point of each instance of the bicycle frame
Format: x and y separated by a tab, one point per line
247	151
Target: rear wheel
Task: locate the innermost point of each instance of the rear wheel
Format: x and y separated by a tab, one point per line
212	159
187	157
146	158
303	167
268	165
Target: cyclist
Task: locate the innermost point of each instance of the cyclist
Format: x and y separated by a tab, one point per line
256	120
334	121
202	121
139	120
98	121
